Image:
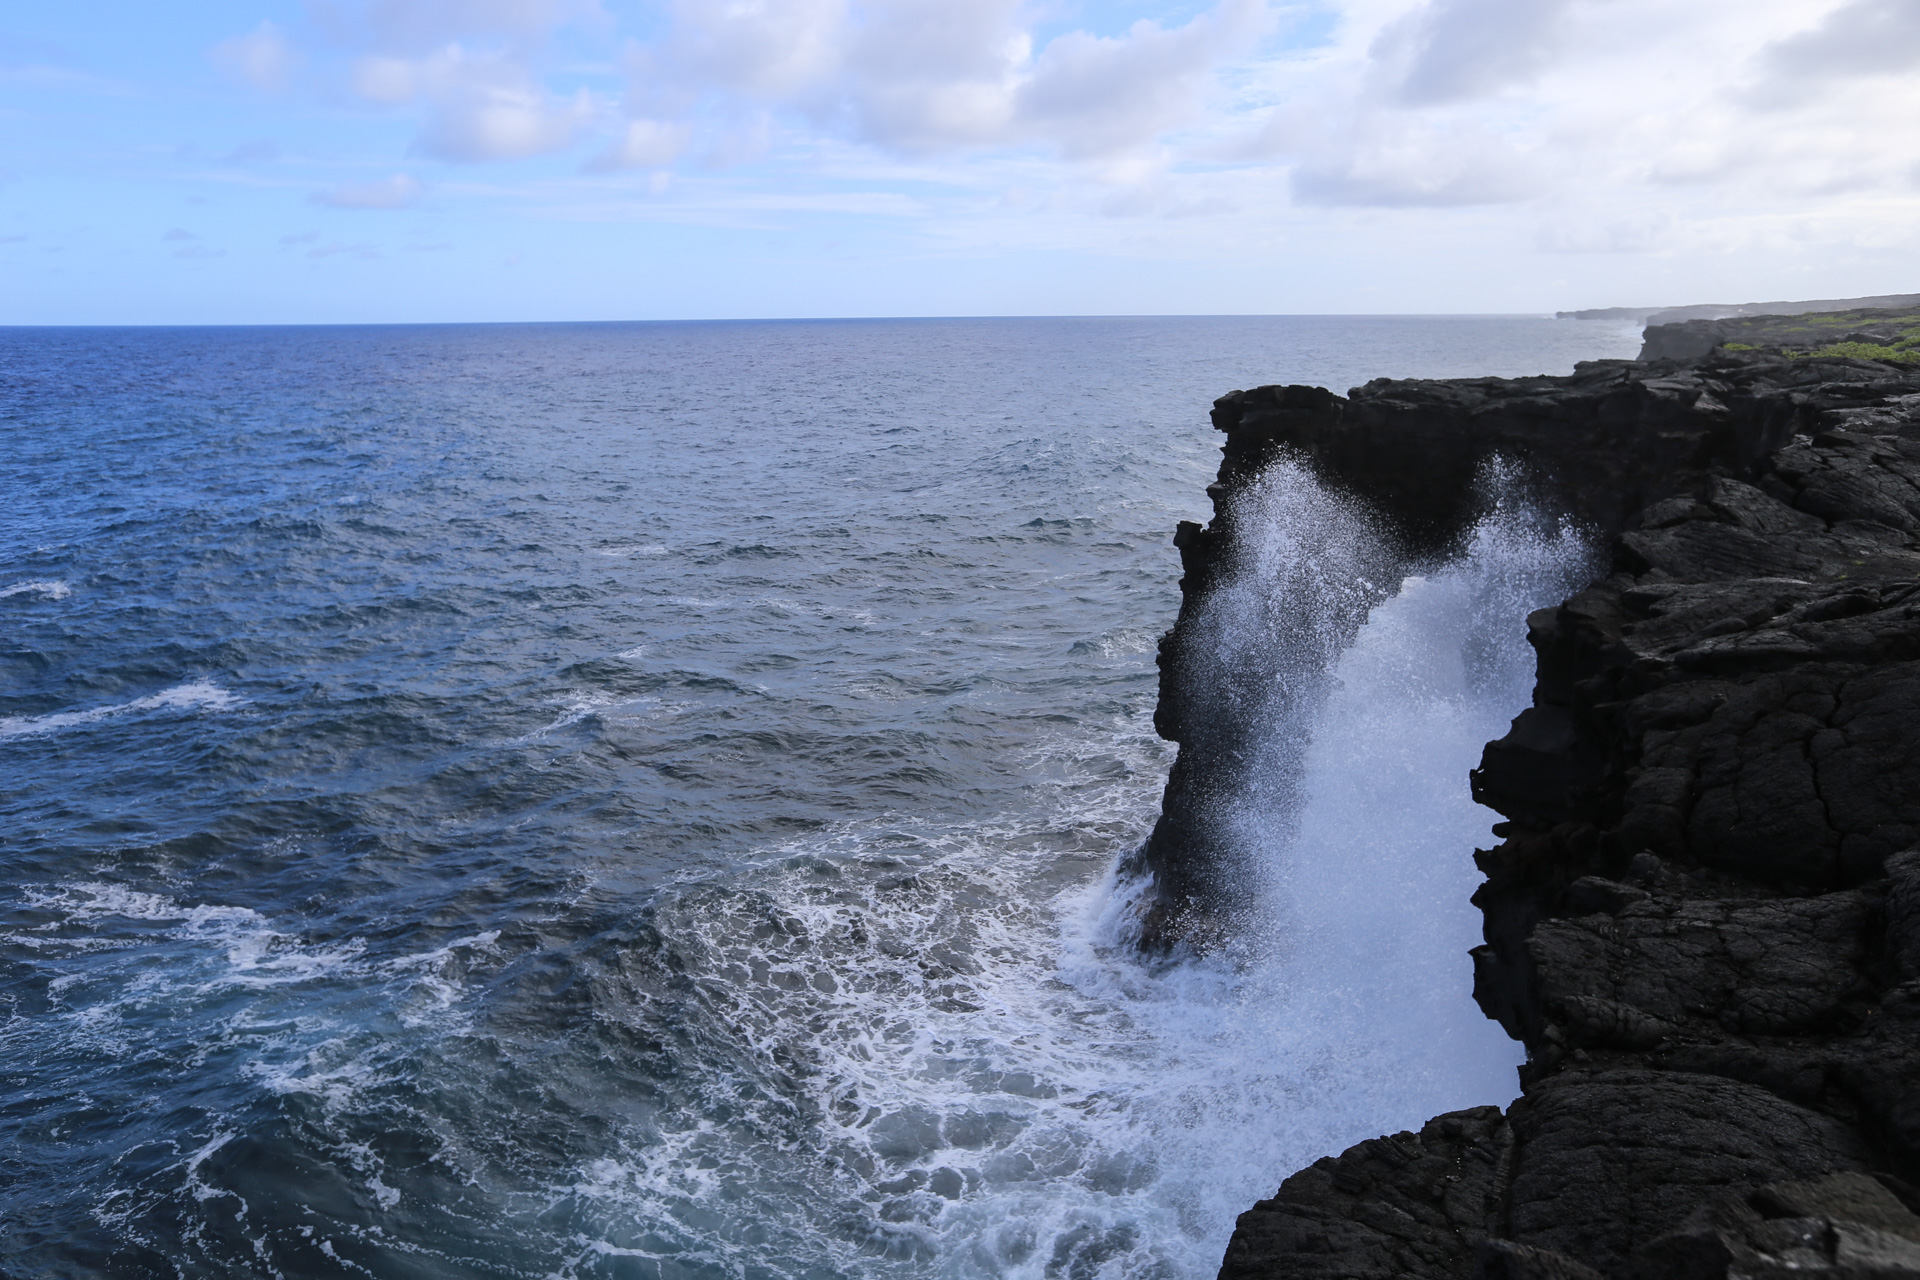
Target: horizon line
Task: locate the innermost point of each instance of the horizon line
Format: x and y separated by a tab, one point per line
865	319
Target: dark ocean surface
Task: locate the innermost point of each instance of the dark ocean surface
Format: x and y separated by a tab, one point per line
643	801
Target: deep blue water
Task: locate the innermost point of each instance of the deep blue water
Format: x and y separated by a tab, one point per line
626	800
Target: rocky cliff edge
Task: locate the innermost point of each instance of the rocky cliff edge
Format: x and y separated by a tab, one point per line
1703	919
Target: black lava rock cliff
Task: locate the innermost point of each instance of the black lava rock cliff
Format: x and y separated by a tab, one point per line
1883	330
1703	920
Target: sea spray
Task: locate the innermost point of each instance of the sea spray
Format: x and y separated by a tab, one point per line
952	1045
1303	566
1369	882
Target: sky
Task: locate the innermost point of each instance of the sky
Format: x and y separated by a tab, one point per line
298	161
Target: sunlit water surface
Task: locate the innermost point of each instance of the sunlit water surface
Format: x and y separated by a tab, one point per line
643	800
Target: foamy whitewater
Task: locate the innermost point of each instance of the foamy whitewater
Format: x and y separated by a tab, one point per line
608	801
198	696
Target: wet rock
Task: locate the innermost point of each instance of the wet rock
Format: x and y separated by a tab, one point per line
1407	1205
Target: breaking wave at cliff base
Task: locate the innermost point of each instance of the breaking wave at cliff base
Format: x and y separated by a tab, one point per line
947	1040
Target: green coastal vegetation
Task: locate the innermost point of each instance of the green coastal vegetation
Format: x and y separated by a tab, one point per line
1869	334
1908	352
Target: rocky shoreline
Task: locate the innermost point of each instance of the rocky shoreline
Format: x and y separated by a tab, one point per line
1703	920
1876	331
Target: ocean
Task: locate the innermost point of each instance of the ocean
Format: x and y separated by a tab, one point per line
647	800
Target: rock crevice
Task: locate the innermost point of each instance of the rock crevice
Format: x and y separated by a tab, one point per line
1703	918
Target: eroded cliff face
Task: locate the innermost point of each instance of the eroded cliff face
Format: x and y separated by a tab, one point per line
1600	445
1703	920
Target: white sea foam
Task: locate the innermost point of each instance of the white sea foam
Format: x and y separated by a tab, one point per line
114	955
439	976
1120	642
246	950
200	695
80	904
191	1166
603	705
948	1041
51	590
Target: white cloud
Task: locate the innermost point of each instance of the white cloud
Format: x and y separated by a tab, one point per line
1455	50
922	77
419	26
724	77
1416	165
1593	126
387	80
504	122
262	59
1864	37
398	192
1628	110
483	106
1094	96
764	48
642	144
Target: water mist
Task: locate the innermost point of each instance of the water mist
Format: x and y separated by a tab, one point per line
961	1065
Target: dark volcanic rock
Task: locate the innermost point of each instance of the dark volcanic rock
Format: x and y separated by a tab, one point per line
1703	919
1606	1160
1406	1205
1892	321
1686	445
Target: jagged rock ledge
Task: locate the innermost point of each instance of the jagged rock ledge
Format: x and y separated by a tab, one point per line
1703	920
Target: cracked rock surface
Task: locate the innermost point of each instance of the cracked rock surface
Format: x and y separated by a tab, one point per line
1703	920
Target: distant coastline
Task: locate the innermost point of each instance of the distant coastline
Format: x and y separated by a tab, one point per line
1729	310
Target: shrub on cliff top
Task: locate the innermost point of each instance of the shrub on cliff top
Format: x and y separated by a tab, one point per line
1865	351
